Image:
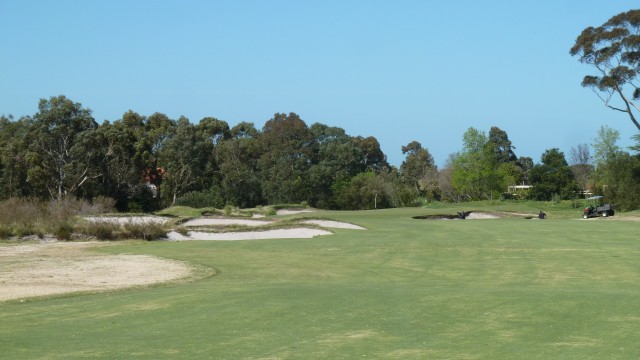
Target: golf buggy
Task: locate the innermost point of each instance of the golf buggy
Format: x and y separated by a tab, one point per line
596	207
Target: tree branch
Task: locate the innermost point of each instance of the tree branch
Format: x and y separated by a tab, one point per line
628	104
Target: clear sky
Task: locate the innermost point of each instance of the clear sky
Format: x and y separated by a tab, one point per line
398	70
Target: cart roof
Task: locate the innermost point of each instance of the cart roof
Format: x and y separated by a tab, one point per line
594	197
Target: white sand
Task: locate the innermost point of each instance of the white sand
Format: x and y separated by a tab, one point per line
297	233
334	224
477	216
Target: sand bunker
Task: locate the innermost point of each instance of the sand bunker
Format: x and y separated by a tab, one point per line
57	268
296	233
469	215
478	215
334	224
293	233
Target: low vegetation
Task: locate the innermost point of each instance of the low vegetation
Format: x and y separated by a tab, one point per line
63	220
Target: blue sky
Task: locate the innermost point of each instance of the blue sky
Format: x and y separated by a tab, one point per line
397	70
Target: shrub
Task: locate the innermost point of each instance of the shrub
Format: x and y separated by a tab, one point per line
22	230
103	230
63	210
145	231
142	200
5	231
63	231
21	211
200	199
100	205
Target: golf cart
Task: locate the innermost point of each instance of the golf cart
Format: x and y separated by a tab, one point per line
596	207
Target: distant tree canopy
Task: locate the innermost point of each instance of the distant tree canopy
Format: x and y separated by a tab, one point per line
419	171
148	162
613	49
553	177
145	162
486	166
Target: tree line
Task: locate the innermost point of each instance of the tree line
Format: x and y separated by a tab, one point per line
148	162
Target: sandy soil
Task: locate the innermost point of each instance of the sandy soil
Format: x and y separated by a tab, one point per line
30	270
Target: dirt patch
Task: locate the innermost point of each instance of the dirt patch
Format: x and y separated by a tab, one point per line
31	270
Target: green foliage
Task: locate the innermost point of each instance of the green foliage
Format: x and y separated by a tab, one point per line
476	172
63	231
13	167
185	155
636	146
145	163
142	200
201	199
612	49
623	181
363	191
61	154
419	171
552	178
502	147
237	159
25	229
336	157
286	158
605	145
6	231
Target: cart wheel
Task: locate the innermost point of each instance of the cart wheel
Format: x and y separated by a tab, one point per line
585	216
605	213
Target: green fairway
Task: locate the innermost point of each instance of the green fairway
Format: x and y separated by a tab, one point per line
510	288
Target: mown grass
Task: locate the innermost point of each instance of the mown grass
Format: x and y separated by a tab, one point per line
561	288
